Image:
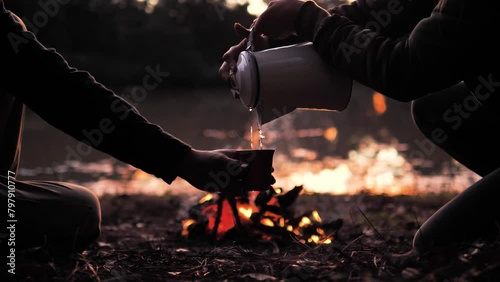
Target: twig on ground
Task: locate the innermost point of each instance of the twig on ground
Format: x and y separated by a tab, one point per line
375	229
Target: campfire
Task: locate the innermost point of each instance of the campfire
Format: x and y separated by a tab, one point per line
258	215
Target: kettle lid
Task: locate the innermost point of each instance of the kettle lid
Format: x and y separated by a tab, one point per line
247	79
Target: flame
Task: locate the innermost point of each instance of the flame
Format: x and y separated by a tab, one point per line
315	216
206	198
245	211
185	225
226	222
265	219
304	221
267	222
313	238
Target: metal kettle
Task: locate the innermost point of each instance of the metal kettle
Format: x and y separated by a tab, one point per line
279	80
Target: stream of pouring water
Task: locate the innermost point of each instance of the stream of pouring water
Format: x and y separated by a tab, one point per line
251	129
261	136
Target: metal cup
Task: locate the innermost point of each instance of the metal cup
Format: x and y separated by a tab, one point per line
257	175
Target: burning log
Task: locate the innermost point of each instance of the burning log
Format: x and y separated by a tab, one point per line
258	215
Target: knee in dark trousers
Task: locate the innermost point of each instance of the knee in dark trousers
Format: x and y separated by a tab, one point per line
62	218
83	222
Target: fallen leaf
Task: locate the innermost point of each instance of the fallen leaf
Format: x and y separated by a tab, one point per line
103	244
109	265
410	273
174	273
259	277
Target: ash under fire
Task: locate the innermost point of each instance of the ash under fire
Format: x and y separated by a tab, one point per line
259	215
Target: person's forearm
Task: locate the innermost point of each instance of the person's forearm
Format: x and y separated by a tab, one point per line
292	39
434	56
387	17
72	101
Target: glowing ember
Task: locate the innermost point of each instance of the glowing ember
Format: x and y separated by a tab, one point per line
264	215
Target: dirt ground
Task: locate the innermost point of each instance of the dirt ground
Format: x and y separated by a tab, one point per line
141	241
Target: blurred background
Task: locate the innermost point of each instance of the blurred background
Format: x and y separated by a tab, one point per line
371	146
116	39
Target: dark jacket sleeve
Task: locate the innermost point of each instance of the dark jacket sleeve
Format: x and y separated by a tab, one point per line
439	52
74	102
388	17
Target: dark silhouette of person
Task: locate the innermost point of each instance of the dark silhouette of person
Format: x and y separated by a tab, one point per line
65	217
442	56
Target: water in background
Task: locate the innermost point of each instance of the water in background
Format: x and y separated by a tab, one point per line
371	146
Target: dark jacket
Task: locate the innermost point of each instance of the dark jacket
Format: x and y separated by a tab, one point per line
406	49
74	102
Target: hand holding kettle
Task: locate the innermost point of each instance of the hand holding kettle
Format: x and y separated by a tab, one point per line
268	72
230	58
276	23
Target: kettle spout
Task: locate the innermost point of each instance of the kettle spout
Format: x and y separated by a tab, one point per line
266	114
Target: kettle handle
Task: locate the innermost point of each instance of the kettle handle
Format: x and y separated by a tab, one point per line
250	41
232	79
233	86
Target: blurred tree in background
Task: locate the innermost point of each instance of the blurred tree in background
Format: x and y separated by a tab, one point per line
116	39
